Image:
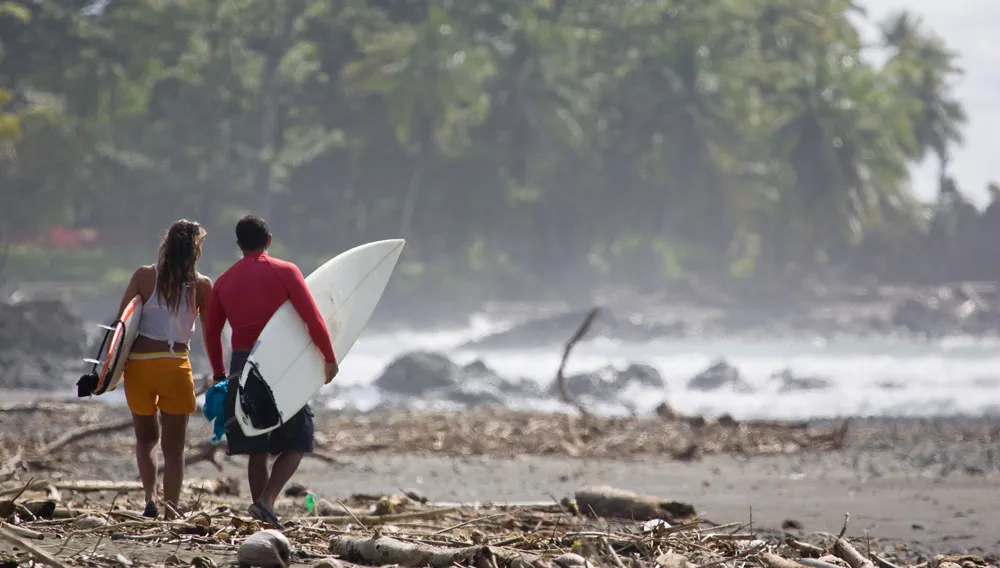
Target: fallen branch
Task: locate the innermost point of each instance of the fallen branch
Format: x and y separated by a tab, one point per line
40	556
373	520
382	551
22	532
39	406
774	561
567	396
849	554
81	433
805	547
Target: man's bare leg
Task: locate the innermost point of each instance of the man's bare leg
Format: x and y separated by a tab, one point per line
282	471
257	475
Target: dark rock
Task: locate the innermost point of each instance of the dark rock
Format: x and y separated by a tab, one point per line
720	374
417	373
614	324
609	381
792	382
432	376
641	374
792	524
667	412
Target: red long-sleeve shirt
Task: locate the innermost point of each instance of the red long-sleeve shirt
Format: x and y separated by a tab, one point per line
248	294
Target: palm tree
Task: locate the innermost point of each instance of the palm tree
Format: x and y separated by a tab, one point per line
431	77
923	67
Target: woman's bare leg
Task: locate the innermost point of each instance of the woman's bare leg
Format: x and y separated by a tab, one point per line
147	433
172	443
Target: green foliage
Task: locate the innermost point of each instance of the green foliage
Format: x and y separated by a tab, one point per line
506	139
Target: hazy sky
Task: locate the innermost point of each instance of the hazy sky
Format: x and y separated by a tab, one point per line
971	28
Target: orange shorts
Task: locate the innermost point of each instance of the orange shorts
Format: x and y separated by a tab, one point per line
159	381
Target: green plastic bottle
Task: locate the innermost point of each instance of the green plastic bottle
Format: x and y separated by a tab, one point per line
310	503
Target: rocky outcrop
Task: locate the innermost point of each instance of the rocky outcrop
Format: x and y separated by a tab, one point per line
429	375
423	378
789	381
720	375
41	345
955	309
609	382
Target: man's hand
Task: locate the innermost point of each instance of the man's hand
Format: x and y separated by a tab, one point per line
331	371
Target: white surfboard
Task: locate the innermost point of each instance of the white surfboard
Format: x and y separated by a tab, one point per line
346	289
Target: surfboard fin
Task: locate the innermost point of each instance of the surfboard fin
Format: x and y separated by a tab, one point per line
91	361
107	327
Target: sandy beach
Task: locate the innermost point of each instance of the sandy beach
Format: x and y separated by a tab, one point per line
933	484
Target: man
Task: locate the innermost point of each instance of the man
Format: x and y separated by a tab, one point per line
248	294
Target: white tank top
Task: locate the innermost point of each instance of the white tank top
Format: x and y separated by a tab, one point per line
159	324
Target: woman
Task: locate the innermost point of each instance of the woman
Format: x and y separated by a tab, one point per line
157	374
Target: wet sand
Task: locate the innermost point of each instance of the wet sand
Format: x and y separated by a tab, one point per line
959	513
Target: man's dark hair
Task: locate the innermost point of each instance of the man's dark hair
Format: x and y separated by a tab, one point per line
252	233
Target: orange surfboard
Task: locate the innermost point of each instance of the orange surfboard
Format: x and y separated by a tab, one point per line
113	352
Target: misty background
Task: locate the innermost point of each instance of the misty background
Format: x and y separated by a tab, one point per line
793	196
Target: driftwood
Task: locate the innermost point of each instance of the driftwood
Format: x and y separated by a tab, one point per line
815	563
567	396
40	556
22	532
774	561
488	535
605	501
805	547
849	554
81	433
214	486
40	406
382	551
373	520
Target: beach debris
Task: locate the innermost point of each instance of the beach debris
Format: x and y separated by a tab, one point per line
268	548
87	522
600	528
604	501
38	555
567	395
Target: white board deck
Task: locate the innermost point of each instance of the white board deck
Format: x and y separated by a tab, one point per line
346	289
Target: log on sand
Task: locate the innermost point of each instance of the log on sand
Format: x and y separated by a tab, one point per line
40	556
774	561
84	432
382	551
849	554
603	501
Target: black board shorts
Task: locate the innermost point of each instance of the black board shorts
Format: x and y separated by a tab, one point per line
295	435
